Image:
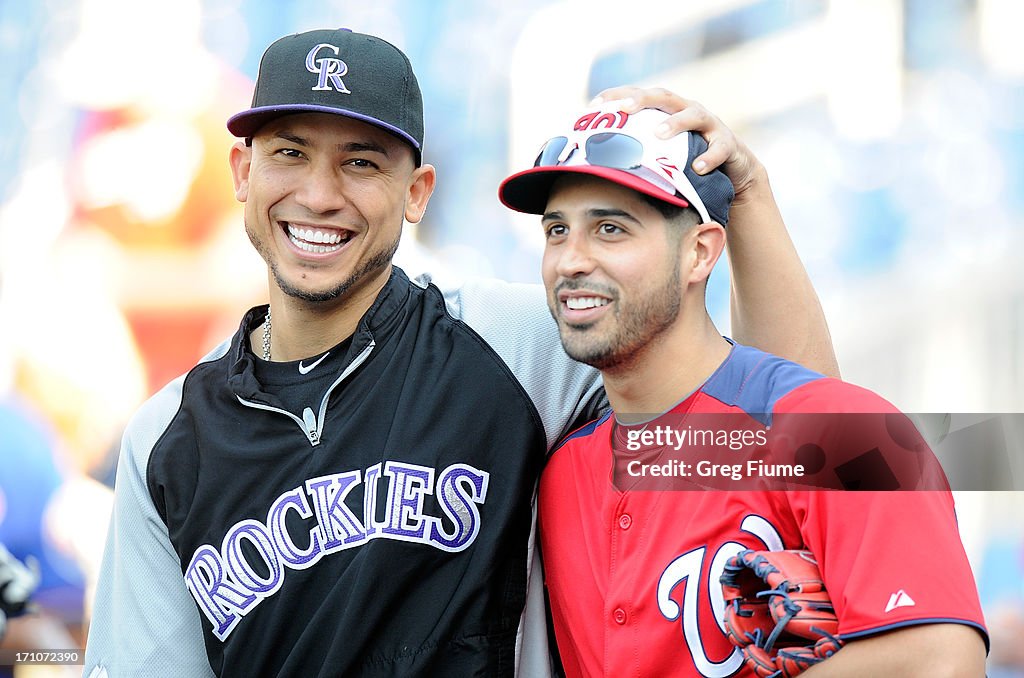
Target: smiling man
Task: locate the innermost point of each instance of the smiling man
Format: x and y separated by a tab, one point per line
633	560
325	197
346	486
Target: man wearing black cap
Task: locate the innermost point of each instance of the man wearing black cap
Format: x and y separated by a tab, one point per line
640	510
345	487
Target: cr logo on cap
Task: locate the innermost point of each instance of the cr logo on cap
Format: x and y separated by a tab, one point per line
328	68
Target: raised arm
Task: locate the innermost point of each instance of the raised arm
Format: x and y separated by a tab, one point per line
773	303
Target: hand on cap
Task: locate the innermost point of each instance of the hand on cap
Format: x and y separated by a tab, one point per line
724	148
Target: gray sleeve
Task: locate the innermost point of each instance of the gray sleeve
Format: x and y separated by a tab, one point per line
513	318
144	622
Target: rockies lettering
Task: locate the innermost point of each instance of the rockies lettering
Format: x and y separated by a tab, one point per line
227	586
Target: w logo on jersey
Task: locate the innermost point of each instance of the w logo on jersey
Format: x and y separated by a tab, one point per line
685	571
327	68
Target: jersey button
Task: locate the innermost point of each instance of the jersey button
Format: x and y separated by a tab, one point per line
619	616
625	521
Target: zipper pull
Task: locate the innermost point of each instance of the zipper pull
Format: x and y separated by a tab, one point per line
309	422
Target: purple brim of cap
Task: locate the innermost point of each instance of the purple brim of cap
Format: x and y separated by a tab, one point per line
528	191
248	122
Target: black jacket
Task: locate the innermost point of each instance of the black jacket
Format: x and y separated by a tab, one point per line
373	517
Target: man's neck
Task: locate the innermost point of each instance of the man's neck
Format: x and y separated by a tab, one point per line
301	329
667	369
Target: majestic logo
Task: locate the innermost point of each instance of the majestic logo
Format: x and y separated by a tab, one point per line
327	68
899	599
304	369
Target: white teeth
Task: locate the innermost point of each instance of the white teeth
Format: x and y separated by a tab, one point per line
583	303
307	240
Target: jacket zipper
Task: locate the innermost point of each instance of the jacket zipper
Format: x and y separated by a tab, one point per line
311	427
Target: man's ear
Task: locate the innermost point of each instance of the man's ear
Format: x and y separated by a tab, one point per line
421	186
240	159
708	243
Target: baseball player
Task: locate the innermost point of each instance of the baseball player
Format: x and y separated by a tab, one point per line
632	543
345	487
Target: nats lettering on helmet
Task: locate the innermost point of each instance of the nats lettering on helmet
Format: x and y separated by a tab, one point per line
328	68
597	120
227	586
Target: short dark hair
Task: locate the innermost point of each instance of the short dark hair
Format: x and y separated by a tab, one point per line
674	214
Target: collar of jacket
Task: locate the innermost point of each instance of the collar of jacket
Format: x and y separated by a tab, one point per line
386	310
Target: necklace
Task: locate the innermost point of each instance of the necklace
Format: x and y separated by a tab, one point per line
266	336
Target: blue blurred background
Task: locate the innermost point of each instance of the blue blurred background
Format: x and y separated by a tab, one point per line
893	132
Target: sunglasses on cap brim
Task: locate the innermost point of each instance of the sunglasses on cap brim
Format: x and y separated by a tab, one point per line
620	151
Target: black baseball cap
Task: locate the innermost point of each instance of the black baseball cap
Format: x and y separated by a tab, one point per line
336	71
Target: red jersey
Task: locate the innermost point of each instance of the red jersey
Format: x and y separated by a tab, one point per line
633	573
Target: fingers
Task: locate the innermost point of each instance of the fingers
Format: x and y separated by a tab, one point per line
685	115
722	143
716	155
632	99
694	118
725	151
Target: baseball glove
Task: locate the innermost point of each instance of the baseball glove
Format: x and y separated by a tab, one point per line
17	582
778	612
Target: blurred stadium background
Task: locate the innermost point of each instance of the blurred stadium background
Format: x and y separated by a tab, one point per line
893	131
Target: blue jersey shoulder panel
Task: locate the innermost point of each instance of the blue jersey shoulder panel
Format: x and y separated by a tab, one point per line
754	381
586	430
